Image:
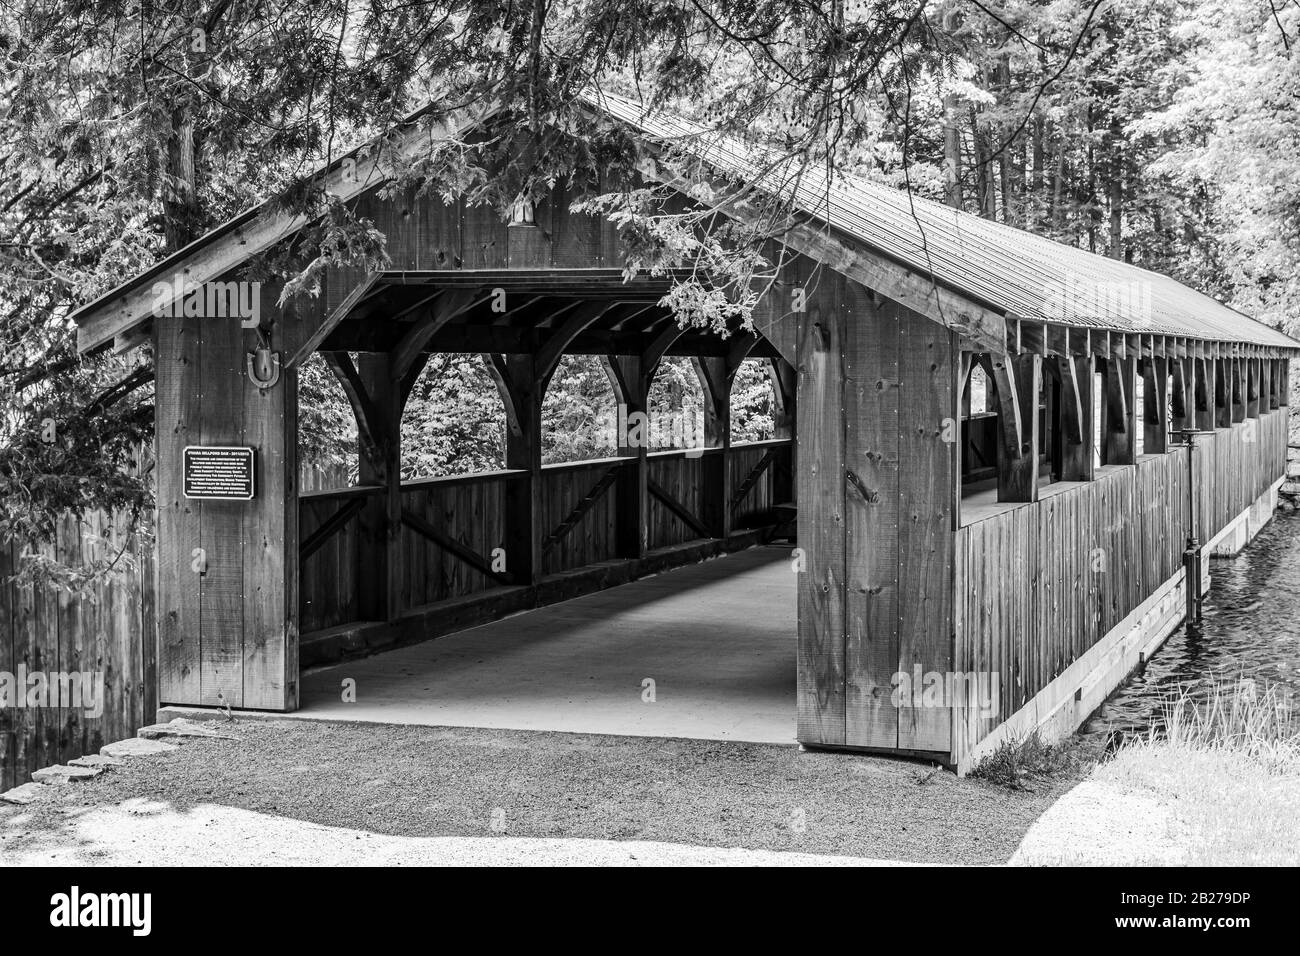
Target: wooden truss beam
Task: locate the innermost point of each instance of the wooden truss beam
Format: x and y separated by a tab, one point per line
1018	380
452	546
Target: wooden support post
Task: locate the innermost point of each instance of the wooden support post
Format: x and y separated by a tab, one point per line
524	533
521	381
1205	406
1119	412
1077	390
1178	394
715	382
1018	379
1222	392
227	571
1253	376
1266	396
380	569
1052	401
1284	383
631	388
1236	391
1155	406
784	388
1183	412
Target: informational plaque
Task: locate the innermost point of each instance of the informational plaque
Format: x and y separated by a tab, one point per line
223	472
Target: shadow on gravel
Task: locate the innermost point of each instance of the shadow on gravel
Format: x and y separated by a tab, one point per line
468	782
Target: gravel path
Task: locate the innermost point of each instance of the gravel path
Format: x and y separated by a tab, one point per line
301	792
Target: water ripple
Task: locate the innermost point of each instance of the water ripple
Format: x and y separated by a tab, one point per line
1250	629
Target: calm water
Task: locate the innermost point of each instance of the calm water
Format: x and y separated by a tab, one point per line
1250	629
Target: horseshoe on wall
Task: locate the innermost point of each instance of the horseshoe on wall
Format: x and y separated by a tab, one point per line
264	367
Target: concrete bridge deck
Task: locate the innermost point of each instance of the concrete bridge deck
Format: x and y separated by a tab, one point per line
718	639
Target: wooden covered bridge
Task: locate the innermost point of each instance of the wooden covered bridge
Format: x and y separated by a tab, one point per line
975	427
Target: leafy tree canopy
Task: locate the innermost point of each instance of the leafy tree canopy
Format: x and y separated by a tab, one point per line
1159	131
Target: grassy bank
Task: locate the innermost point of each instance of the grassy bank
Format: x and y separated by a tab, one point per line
1231	767
1218	785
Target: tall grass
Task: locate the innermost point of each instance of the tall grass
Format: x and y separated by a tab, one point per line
1226	766
1243	717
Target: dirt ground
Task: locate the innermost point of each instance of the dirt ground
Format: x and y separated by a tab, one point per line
433	784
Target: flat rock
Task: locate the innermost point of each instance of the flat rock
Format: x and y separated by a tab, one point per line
94	760
135	747
62	773
23	794
180	727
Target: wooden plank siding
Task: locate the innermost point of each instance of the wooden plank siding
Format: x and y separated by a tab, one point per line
228	580
877	407
471	510
871	424
755	508
108	629
1039	584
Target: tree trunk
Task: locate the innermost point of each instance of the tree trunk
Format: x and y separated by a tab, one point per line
1115	190
1058	188
1036	159
179	188
951	153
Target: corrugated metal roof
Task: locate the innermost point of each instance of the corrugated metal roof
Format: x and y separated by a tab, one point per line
1014	271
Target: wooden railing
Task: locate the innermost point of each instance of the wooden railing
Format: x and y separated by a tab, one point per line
578	513
1038	584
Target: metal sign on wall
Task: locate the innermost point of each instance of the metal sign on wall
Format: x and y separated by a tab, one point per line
221	472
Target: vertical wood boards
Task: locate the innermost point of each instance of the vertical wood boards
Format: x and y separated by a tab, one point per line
926	474
611	244
438	239
76	627
221	586
1100	549
821	496
178	408
425	232
108	630
870	488
484	238
576	238
271	536
876	521
228	634
17	737
472	510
